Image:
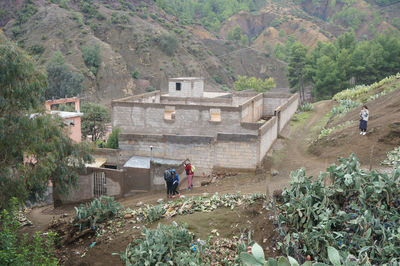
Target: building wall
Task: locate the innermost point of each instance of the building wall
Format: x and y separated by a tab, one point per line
273	101
136	180
287	110
75	130
268	134
189	88
189	119
252	109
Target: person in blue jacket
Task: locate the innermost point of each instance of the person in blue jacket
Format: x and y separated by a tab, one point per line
175	183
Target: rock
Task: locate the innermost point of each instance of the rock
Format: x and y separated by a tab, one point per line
160	200
140	203
274	172
205	183
128	216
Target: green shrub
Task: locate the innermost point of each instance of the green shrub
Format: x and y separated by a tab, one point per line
36	49
168	43
92	57
112	142
217	78
307	107
357	213
135	73
97	211
344	106
150	89
166	245
101	16
16	250
154	213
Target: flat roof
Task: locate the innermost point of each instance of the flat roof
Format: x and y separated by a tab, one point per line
98	162
144	162
64	114
186	78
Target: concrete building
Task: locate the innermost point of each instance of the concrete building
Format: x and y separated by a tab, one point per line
214	130
71	119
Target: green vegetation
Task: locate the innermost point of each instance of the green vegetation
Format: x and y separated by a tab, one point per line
327	131
343	214
99	210
252	83
94	119
168	244
209	13
62	82
236	34
350	17
392	157
135	73
112	142
16	250
307	107
168	43
330	66
343	107
296	68
35	146
92	57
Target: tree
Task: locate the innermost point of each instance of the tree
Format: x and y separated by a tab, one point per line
326	80
34	146
94	118
252	83
296	68
92	57
112	142
62	82
168	43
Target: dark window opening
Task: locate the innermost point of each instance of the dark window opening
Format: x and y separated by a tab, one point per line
178	86
110	166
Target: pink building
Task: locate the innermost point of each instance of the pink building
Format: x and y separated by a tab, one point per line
71	119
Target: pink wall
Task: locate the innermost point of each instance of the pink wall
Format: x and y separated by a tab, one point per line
75	130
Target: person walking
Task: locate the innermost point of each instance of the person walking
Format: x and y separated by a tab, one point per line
189	173
175	184
364	115
168	180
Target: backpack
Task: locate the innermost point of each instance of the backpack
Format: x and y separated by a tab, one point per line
167	176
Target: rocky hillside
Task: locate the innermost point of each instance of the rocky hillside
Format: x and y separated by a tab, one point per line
143	43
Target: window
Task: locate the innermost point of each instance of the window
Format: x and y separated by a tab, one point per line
178	86
215	115
169	113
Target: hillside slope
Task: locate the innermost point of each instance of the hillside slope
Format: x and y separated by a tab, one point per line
382	135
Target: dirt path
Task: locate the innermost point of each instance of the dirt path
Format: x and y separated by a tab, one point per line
292	155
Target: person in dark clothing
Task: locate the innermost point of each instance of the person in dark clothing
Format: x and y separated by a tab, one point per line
168	180
175	184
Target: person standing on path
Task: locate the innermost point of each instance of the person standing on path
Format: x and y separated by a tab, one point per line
364	115
189	173
175	184
168	180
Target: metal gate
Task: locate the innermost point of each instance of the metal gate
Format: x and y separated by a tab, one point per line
99	184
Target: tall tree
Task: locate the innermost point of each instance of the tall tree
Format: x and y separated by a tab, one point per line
34	146
94	119
297	67
253	83
62	81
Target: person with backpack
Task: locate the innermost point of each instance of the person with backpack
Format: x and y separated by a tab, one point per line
189	173
168	180
175	184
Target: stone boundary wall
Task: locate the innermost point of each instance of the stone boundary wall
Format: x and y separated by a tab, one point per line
220	101
273	101
114	183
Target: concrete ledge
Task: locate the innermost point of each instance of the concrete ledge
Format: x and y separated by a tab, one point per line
188	139
267	126
236	137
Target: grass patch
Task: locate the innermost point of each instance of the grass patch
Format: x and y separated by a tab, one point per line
299	119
